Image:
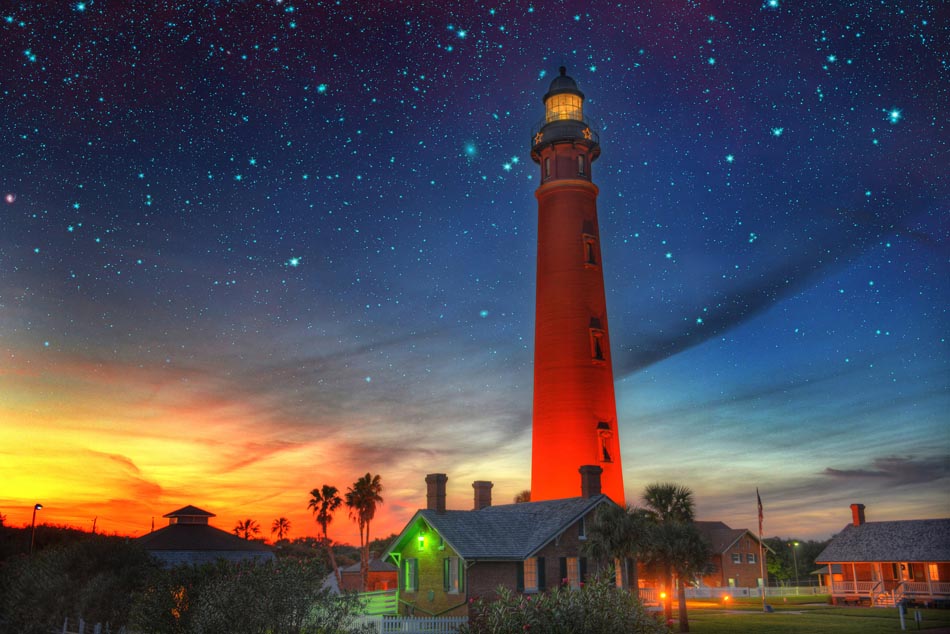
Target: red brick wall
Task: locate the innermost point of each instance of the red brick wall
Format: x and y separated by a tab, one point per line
745	574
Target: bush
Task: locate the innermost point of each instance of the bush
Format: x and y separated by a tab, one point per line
93	578
598	607
283	597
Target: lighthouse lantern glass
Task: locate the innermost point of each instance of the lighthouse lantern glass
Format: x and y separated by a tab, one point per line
563	106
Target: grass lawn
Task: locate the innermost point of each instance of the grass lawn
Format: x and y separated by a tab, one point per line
806	618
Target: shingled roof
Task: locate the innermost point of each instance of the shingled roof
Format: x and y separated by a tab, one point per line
907	540
505	532
721	537
195	544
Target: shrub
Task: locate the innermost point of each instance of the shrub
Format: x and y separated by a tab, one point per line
597	608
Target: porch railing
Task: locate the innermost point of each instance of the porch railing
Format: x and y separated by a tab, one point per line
854	587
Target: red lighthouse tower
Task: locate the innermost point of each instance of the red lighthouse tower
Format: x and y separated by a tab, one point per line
575	414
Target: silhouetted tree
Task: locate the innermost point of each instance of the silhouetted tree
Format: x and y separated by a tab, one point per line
247	528
362	498
618	534
523	496
324	502
674	541
281	526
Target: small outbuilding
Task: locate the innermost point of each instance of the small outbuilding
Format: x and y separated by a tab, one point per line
883	563
190	539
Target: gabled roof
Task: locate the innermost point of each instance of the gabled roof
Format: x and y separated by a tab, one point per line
375	565
505	532
202	537
189	511
907	540
722	538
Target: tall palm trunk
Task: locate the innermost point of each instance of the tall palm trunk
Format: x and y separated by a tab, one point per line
336	569
684	619
668	585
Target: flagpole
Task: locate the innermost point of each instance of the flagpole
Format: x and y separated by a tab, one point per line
761	551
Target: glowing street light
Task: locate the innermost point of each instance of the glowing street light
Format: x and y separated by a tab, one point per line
36	507
794	547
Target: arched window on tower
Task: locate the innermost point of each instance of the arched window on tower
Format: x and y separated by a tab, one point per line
598	345
603	439
590	250
580	165
547	167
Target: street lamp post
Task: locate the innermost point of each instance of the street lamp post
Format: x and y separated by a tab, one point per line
36	507
794	547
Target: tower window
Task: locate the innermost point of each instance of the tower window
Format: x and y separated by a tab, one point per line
590	250
547	167
598	345
603	440
580	165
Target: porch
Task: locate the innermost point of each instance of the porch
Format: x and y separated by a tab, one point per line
886	584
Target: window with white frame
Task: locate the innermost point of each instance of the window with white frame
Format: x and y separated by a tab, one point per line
452	571
737	558
750	558
411	579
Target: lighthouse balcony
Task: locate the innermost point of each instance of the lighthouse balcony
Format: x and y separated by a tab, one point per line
574	128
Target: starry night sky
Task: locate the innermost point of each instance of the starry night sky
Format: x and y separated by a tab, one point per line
247	248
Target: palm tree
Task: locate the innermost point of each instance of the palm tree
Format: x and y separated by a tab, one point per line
281	526
670	507
247	528
324	502
618	534
362	498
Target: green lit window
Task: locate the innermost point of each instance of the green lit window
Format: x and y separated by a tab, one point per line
411	575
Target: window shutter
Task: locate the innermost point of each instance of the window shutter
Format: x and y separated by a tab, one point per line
415	575
404	577
520	568
461	565
446	574
541	574
583	569
562	570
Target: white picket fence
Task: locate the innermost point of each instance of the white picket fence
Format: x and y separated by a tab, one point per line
85	628
414	624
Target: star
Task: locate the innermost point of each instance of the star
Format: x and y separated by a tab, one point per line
538	137
587	133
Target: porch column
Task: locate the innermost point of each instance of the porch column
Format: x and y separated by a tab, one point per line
854	578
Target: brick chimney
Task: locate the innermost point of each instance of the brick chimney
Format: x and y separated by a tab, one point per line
435	492
482	494
857	514
590	480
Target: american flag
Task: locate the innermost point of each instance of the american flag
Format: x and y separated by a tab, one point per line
759	499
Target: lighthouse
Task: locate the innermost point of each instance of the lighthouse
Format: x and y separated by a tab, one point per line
575	413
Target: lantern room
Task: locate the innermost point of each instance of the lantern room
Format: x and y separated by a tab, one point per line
563	100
